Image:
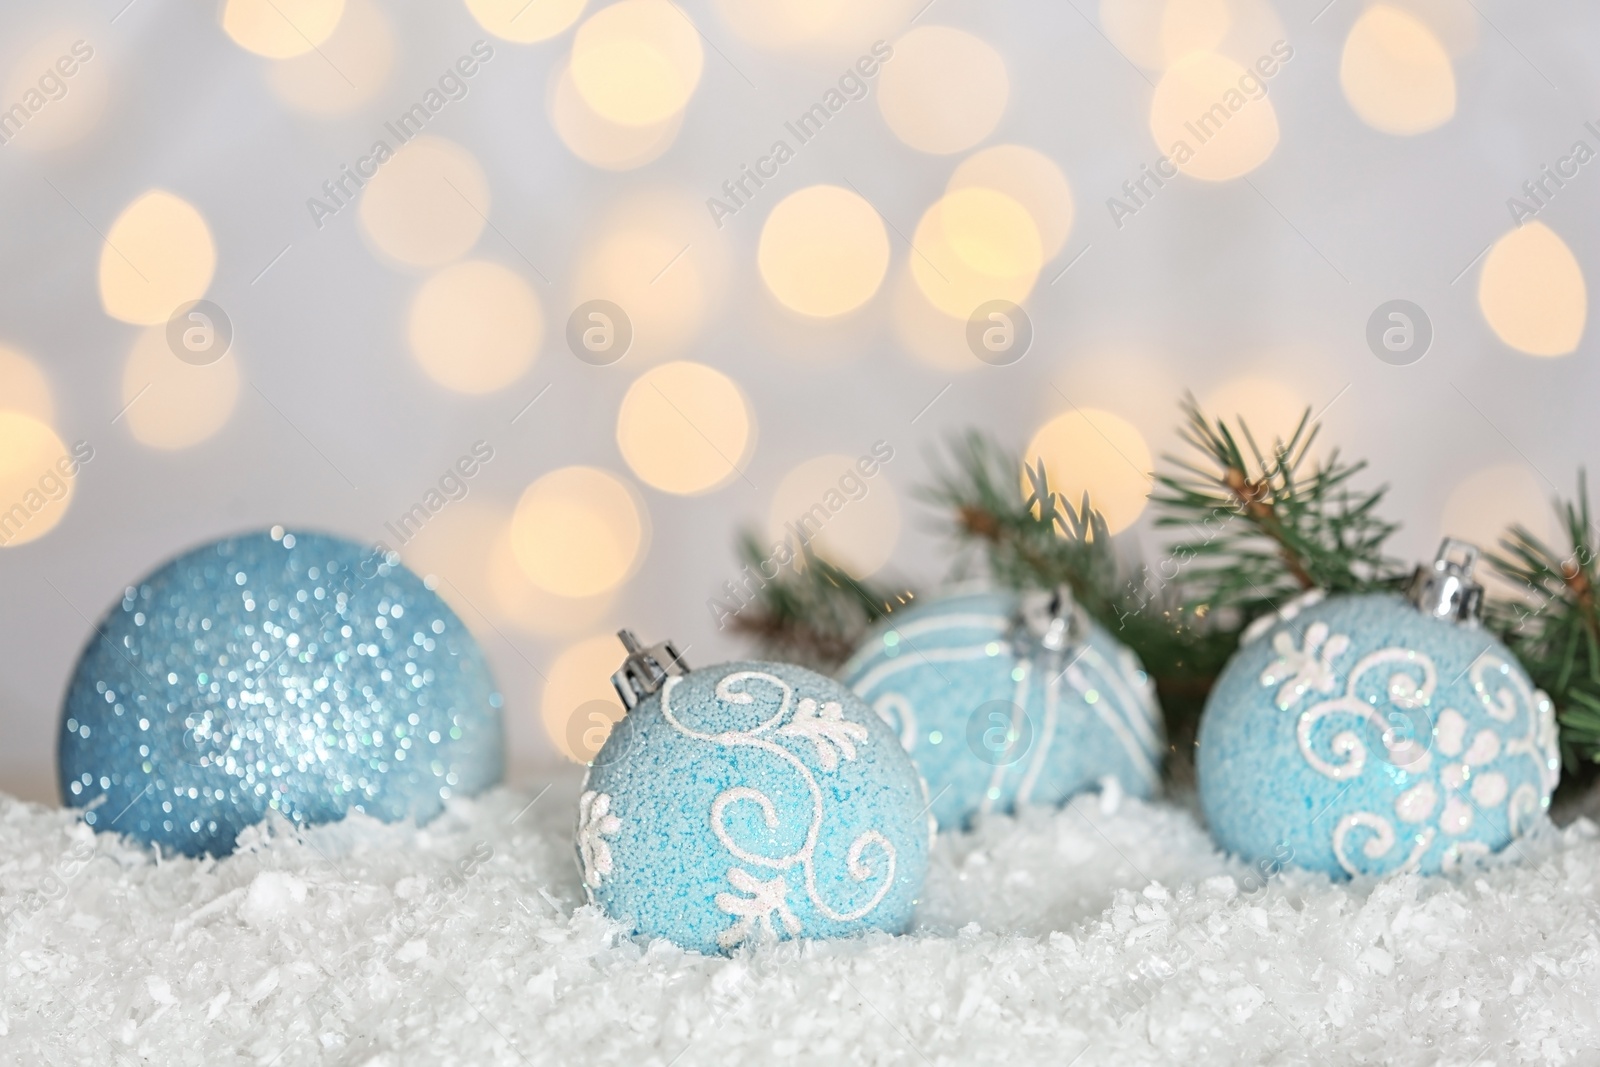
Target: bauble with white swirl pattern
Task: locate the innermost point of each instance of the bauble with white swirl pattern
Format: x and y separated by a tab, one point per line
747	802
1372	733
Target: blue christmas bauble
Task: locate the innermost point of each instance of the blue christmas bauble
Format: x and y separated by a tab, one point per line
998	711
1358	735
750	801
296	673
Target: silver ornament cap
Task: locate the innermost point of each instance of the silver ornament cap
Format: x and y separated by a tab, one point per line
1050	618
1446	589
646	669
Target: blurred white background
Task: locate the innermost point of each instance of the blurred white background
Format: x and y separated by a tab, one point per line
377	344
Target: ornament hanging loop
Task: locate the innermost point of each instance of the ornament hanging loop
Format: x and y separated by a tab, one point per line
1446	589
1050	619
646	669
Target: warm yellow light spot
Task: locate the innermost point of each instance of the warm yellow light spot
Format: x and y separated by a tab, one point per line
1271	409
578	532
851	520
836	29
427	205
47	108
525	21
1212	118
782	23
579	704
1088	450
171	404
158	254
36	478
944	90
1487	503
655	260
467	547
597	140
1395	73
518	601
1454	22
1532	292
1153	33
279	29
637	62
975	245
1029	177
346	71
475	326
824	251
684	428
23	386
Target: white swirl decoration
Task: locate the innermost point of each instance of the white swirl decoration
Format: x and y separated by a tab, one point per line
765	905
1409	686
1392	690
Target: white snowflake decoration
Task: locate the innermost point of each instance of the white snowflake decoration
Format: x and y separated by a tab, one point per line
830	731
1297	671
595	823
755	912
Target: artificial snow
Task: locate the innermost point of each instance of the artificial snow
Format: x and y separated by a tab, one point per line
1108	932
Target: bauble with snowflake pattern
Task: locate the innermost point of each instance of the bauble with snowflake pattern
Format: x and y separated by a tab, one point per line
747	802
1363	734
1005	699
294	673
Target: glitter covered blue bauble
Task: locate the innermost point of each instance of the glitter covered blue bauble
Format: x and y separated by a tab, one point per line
296	673
994	716
749	801
1357	735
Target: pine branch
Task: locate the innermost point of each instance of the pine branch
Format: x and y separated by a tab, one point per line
1033	539
813	612
1267	526
1556	631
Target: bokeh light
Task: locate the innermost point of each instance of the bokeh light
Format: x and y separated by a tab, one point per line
35	484
1396	74
824	251
637	62
850	520
467	546
597	140
684	428
60	108
1153	33
944	90
157	255
578	532
427	205
475	326
524	605
24	387
525	21
653	258
170	404
1532	292
975	245
782	23
577	683
1209	96
279	29
1488	502
1088	450
346	71
1029	177
1456	23
1270	408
